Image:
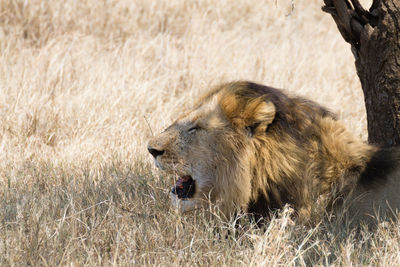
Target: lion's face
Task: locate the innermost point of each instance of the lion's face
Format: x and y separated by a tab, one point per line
207	147
189	149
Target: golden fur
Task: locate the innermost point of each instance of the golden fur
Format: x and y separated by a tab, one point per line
253	147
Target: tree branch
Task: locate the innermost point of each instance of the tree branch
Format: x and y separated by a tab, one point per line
341	12
351	19
358	7
374	5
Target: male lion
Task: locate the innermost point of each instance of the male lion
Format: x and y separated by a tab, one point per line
249	146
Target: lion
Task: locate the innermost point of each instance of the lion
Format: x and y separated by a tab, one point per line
246	146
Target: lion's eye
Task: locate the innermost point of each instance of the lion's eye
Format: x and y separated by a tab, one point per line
194	129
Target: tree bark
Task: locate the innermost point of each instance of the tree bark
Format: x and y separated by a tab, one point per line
374	36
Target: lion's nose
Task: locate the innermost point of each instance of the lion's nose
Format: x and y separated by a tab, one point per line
155	152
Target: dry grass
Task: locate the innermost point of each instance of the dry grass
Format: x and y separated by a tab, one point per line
79	79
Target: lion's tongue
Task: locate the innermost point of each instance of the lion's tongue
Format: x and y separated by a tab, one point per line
184	187
182	180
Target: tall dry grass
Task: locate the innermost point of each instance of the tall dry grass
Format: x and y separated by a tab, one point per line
83	84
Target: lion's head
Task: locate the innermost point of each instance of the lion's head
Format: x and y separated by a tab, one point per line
209	147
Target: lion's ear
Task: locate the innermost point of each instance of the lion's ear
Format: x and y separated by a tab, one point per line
257	115
251	115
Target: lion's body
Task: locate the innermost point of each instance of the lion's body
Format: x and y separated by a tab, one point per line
252	147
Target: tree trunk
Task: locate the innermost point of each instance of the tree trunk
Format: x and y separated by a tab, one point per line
374	36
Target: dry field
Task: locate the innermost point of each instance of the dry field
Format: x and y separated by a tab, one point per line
84	84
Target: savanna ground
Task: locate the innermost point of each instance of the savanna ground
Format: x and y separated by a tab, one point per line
84	84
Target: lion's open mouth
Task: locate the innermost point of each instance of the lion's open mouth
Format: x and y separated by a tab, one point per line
184	187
